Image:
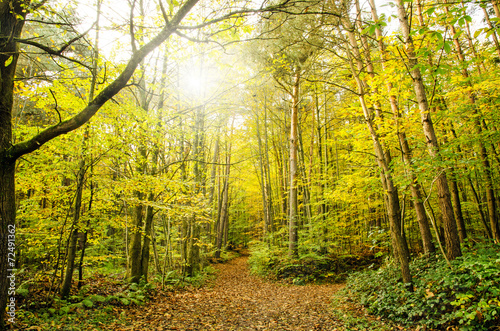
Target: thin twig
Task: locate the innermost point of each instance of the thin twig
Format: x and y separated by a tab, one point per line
55	107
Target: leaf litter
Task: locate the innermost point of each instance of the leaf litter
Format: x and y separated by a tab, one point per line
236	300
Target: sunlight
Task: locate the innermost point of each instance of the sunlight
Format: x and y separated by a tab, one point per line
197	80
195	83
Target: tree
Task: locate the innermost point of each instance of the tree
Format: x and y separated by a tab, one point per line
451	233
13	15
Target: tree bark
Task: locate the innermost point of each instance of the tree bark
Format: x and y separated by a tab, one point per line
267	173
148	225
223	216
135	249
10	29
399	244
487	176
292	216
224	208
452	241
263	176
73	238
415	190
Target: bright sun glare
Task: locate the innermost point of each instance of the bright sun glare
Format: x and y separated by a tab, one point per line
195	83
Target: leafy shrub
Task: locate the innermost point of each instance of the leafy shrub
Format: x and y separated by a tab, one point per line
466	295
263	258
275	263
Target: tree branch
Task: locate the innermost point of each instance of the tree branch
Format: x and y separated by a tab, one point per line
111	90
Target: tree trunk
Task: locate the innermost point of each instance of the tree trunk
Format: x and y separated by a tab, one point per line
148	225
267	173
417	200
292	219
450	227
223	216
263	177
7	228
224	208
211	189
480	209
321	176
400	246
135	250
72	247
490	194
10	29
457	207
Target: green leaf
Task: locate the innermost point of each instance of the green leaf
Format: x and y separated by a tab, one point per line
9	61
457	34
437	35
88	303
124	301
430	11
369	30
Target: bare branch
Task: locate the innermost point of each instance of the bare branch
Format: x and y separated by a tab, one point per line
55	107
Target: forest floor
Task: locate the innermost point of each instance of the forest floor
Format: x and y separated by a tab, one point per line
236	300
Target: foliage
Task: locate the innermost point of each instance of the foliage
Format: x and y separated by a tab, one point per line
355	317
467	295
99	299
164	145
309	268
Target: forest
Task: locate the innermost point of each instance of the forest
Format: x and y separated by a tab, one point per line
344	150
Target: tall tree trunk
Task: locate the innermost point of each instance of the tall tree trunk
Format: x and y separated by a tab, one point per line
211	189
267	173
135	249
415	190
10	29
224	208
148	225
400	246
223	216
292	218
483	154
455	194
305	185
480	209
198	152
73	237
321	177
452	239
263	176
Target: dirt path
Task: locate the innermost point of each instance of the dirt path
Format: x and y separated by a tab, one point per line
238	301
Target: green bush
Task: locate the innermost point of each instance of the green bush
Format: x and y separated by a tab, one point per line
262	258
465	295
311	267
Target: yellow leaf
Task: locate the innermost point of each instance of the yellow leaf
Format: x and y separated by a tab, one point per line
9	61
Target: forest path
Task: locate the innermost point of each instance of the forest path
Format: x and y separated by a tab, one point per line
236	300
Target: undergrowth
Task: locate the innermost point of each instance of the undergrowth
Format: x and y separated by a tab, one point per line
95	304
274	263
465	296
